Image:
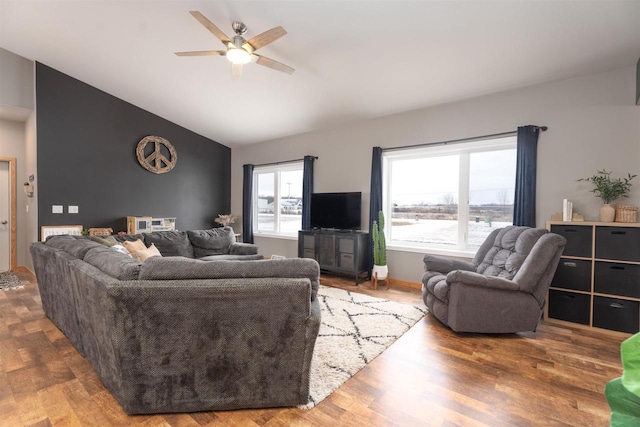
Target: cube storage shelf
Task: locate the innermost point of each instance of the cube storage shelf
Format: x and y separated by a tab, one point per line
597	283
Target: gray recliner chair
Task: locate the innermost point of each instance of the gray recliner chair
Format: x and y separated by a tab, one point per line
502	290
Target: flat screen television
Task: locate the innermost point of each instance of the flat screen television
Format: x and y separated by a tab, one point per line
341	211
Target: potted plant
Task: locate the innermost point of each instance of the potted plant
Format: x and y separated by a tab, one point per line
379	249
225	220
609	189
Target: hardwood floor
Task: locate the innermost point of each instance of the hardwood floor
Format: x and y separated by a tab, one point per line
429	377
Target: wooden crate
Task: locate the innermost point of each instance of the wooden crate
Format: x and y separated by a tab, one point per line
100	231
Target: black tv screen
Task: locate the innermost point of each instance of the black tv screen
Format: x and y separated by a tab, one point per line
336	210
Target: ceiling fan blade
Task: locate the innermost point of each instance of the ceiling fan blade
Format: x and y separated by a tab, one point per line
202	53
236	72
272	63
267	37
211	27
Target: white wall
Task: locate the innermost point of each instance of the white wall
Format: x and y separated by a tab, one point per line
16	80
18	139
12	141
30	213
593	124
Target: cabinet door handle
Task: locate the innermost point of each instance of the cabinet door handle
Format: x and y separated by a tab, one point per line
570	264
618	232
617	267
565	296
616	305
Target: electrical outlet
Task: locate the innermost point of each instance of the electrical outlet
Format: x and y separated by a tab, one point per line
277	257
72	209
57	209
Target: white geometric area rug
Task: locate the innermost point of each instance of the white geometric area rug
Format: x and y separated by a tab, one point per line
355	329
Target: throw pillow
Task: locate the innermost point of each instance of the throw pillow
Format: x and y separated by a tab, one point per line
143	254
134	246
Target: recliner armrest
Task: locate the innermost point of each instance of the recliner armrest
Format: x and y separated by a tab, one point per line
444	265
237	248
476	279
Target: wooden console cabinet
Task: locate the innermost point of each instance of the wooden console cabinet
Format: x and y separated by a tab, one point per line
336	251
597	283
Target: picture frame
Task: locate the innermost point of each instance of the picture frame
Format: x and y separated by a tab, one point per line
59	230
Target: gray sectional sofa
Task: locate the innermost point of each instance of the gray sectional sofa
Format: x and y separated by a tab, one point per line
179	334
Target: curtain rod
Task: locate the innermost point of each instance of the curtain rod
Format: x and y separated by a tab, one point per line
457	141
283	162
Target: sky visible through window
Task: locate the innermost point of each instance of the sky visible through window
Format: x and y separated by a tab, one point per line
426	181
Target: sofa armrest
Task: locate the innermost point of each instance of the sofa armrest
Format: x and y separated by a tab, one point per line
237	248
444	265
476	279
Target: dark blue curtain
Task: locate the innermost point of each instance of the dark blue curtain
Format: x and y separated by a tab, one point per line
524	203
375	198
247	202
307	190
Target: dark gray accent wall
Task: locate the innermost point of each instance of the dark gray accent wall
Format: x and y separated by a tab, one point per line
86	152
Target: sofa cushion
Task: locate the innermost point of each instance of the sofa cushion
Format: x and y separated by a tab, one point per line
211	242
75	246
170	243
128	237
230	257
119	248
178	268
113	263
149	252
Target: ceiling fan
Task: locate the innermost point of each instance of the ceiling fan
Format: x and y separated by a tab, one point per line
240	51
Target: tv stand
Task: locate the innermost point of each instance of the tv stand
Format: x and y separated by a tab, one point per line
338	251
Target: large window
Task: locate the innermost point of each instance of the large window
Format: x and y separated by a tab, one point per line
449	196
277	199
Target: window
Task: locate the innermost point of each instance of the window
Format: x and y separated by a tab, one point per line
277	199
449	197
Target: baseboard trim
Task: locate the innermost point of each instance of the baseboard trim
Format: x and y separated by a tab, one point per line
404	283
23	269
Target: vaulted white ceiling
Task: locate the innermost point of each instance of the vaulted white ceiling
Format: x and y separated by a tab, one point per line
354	60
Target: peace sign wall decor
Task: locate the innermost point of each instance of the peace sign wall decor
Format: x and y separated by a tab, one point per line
156	162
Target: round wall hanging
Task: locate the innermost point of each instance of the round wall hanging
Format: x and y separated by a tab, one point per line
156	162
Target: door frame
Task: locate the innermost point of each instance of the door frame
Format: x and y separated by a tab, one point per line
12	208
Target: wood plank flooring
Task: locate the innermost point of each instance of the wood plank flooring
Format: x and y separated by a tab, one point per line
429	377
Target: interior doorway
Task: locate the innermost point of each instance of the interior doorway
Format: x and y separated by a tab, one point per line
7	213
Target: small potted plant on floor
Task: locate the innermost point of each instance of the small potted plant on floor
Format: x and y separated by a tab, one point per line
379	249
609	189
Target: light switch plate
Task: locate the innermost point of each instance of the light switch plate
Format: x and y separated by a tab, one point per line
56	209
73	209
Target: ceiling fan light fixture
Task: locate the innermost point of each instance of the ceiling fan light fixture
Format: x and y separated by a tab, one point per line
238	56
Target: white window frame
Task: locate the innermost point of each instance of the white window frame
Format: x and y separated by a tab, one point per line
276	170
464	150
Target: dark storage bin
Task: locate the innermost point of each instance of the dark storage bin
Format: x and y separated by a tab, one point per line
573	274
579	239
569	306
616	314
618	243
617	279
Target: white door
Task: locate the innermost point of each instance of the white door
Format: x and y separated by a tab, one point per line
5	227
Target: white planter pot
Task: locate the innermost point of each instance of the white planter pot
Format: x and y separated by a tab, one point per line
607	213
382	270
